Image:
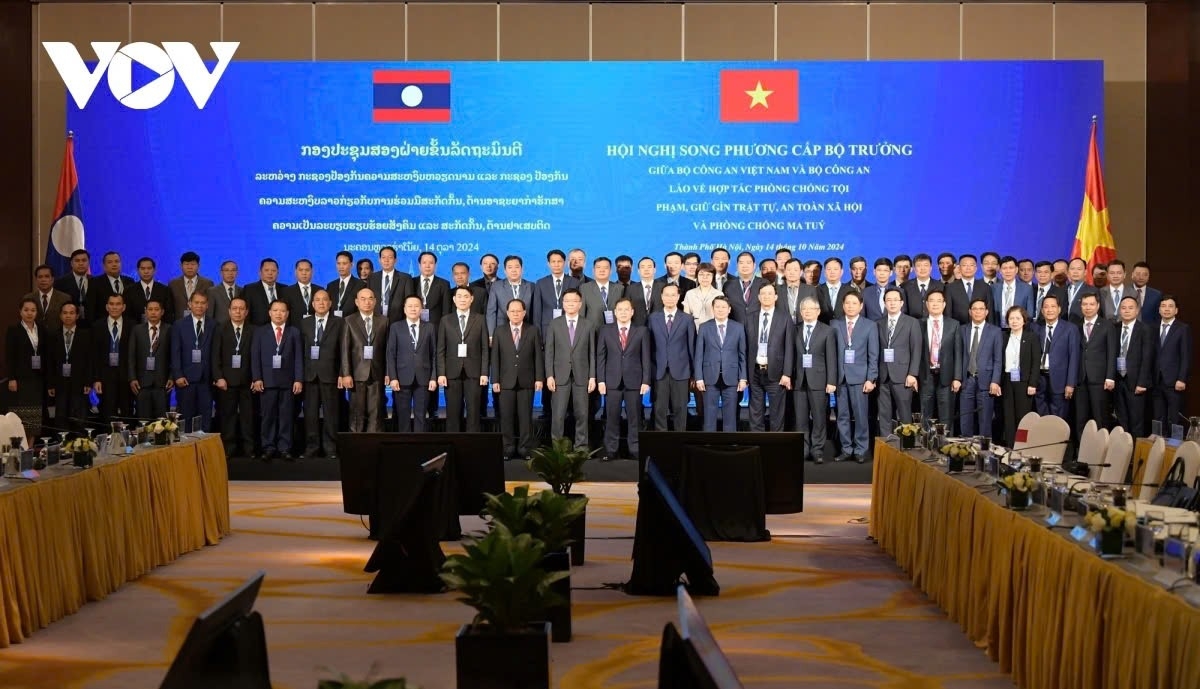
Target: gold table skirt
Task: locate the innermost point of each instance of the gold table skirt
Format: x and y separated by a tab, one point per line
68	540
1051	613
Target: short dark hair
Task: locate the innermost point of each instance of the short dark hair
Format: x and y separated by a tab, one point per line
423	254
146	259
1116	262
601	259
883	261
902	257
993	254
189	256
388	248
831	259
267	260
514	257
555	252
41	268
349	256
624	258
80	252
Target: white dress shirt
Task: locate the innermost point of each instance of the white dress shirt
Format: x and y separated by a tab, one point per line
1012	353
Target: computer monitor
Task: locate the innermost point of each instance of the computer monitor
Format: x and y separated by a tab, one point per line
667	549
226	646
409	557
689	657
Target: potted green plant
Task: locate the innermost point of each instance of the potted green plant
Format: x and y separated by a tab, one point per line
561	465
345	682
547	517
507	644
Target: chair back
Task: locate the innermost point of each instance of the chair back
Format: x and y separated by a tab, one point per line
1050	435
1154	463
1120	452
1021	439
1190	452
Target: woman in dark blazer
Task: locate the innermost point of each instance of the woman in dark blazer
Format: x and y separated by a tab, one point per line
1022	371
26	367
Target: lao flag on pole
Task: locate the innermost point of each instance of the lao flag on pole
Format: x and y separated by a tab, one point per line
760	95
66	230
406	95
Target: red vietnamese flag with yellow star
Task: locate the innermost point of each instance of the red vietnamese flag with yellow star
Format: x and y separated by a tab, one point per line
760	95
1093	238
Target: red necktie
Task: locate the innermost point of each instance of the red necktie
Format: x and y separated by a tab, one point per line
278	334
624	338
936	345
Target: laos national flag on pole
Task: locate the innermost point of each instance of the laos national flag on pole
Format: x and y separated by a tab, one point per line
66	230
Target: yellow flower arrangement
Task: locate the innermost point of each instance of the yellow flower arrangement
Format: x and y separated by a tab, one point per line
1109	519
162	426
908	429
1022	482
80	445
958	450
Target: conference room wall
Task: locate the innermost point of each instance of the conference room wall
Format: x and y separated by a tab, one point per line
447	31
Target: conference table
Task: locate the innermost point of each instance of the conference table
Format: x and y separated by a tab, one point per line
76	535
1049	610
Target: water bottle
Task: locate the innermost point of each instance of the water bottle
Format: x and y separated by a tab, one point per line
833	406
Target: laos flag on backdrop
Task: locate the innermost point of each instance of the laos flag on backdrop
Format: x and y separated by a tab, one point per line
66	230
407	95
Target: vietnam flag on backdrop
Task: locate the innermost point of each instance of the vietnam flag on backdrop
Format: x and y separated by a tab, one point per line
760	95
1093	239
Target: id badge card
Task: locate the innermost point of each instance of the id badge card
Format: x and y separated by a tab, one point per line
1121	364
368	352
235	361
66	370
197	356
277	361
314	352
338	313
849	356
806	361
35	362
384	308
114	359
424	315
557	313
608	317
1014	374
462	350
152	363
762	350
889	356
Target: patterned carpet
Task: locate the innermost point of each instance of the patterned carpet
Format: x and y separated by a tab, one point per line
819	606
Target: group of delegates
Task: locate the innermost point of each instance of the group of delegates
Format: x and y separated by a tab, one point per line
977	351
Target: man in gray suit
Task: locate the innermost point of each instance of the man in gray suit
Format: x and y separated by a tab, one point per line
769	332
816	366
183	287
858	351
322	335
600	294
220	295
363	344
900	359
150	364
570	367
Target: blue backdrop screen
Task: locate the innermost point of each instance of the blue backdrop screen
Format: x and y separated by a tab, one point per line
294	160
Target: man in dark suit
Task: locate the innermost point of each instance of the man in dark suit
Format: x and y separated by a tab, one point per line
110	282
673	262
462	361
261	294
833	291
513	286
1097	365
721	368
148	288
277	367
900	347
489	265
299	296
940	357
1060	359
548	291
916	289
1173	363
966	291
76	283
461	274
69	372
769	353
1008	292
390	286
1043	286
674	335
1076	288
816	376
150	364
344	289
570	367
1147	296
623	374
1135	366
231	373
858	347
873	306
794	290
600	294
222	294
411	366
183	286
110	336
363	360
742	291
518	369
191	362
48	298
982	364
433	290
322	336
646	292
1116	290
